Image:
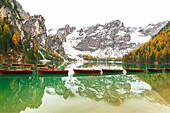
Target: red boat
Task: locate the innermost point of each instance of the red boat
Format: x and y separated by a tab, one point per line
111	70
5	64
86	71
28	65
153	70
135	70
167	69
41	65
45	71
18	71
14	64
52	66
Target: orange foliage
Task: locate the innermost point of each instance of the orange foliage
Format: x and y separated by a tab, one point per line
157	49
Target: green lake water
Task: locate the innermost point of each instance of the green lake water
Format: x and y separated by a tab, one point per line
89	93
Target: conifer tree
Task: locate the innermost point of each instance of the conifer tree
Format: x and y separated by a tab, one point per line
7	36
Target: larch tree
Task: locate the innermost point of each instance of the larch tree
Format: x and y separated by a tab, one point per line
7	36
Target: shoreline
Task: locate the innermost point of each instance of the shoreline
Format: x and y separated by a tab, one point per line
155	62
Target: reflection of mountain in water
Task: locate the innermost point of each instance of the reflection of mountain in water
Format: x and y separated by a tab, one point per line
57	86
18	93
160	82
111	89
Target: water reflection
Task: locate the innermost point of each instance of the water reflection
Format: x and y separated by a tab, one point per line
160	82
19	93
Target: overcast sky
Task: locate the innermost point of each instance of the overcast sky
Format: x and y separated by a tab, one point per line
83	13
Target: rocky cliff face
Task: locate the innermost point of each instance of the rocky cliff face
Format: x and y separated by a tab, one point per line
150	29
12	17
57	37
112	39
24	15
112	34
35	27
56	45
22	21
29	27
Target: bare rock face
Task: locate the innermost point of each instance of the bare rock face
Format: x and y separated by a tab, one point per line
153	29
24	15
21	20
63	32
35	27
113	39
57	37
55	41
114	35
103	36
55	44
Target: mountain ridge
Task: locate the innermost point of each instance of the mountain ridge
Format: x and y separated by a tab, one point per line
110	40
156	50
113	38
16	25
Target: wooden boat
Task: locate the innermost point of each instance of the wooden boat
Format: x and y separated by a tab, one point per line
167	69
15	64
4	64
52	66
45	71
41	65
86	71
28	65
111	70
135	70
18	71
154	70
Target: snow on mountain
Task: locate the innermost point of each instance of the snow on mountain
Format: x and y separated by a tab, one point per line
112	39
137	37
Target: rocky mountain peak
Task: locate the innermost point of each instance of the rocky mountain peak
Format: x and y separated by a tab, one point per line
113	39
63	32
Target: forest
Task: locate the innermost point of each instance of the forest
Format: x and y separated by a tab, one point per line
157	49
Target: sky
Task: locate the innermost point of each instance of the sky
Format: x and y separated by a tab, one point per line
84	13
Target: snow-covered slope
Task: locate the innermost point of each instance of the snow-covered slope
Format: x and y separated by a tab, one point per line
113	39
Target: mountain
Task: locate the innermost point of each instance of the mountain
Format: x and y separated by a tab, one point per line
157	49
23	37
57	37
35	27
9	12
24	15
111	40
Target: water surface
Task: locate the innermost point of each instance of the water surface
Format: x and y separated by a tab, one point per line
111	93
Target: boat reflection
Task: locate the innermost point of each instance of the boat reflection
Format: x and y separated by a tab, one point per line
19	93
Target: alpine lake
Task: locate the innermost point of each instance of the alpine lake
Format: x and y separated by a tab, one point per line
88	93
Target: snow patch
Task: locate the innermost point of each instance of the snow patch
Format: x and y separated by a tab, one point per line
138	37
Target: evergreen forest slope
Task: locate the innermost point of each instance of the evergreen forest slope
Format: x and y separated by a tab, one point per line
157	49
